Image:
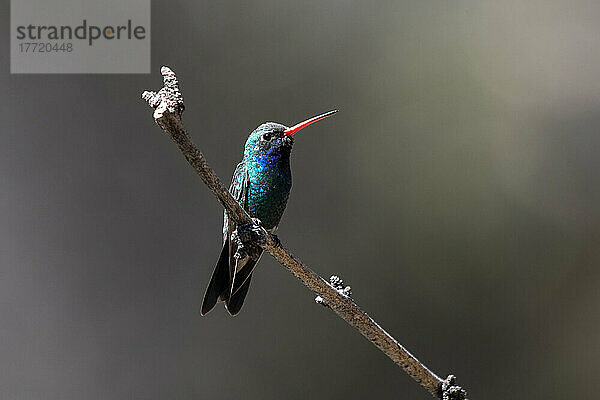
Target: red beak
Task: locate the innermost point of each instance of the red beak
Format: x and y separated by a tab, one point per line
294	129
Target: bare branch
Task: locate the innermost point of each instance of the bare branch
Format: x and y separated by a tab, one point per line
168	104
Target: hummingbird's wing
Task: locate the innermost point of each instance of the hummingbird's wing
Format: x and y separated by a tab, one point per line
240	269
239	191
221	282
218	282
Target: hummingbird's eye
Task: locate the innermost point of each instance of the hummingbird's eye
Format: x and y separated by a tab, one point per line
267	136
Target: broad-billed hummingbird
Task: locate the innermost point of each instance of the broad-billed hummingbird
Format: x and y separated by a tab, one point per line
261	184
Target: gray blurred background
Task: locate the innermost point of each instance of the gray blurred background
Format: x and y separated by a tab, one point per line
456	191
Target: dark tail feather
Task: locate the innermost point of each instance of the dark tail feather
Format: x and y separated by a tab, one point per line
236	301
244	273
219	283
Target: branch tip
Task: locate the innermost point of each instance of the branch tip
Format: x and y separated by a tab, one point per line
168	98
451	391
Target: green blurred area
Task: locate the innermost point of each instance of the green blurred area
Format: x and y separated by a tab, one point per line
456	192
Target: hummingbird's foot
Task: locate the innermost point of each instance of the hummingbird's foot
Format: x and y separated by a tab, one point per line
247	236
276	239
256	223
338	284
250	233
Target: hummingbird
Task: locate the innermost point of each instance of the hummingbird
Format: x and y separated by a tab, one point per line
261	184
